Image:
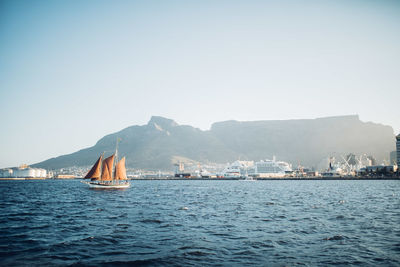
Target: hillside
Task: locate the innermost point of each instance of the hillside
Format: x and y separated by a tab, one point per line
162	141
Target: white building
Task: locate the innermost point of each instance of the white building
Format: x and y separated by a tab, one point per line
398	149
23	172
6	173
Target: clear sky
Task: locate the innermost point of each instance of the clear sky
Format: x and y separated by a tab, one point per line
74	71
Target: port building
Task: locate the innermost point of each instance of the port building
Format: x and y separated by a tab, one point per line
23	171
393	157
398	149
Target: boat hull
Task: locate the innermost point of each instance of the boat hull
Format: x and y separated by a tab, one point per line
100	185
248	180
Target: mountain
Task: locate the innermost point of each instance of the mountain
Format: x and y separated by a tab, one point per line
306	141
163	142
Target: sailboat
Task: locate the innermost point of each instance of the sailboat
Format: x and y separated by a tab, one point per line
101	175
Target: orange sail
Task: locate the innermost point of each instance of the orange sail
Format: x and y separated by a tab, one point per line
106	174
94	172
120	170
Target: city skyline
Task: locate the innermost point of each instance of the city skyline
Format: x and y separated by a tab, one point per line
72	72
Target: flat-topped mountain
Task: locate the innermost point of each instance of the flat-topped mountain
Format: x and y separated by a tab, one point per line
162	142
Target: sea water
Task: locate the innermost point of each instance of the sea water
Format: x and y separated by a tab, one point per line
201	223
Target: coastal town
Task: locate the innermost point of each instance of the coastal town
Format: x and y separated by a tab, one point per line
199	133
348	166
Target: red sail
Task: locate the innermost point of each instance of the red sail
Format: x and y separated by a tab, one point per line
106	174
120	170
94	172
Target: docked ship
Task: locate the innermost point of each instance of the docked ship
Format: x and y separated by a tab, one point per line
105	175
261	169
236	170
270	169
333	171
231	172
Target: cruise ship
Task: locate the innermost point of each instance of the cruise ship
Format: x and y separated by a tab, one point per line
261	169
270	169
237	169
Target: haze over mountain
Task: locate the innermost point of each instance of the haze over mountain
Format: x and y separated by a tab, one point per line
162	142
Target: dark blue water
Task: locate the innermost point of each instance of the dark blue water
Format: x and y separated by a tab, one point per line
198	223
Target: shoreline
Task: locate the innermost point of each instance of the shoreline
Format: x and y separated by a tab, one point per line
223	179
272	179
24	178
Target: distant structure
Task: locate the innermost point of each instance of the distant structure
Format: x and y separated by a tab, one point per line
371	160
23	171
261	169
237	169
65	176
179	167
398	149
393	158
180	171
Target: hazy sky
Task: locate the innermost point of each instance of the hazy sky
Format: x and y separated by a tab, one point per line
74	71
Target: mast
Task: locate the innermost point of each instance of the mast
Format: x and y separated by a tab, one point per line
101	165
116	158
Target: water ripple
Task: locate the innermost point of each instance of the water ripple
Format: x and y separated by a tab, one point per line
200	223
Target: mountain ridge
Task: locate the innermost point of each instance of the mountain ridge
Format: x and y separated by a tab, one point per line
157	144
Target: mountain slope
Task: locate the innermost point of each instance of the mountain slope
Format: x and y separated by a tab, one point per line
157	144
306	141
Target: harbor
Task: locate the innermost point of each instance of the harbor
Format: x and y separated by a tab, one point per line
199	133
